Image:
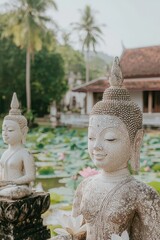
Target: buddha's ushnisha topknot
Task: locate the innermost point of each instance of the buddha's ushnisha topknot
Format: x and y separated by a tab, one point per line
117	102
116	78
15	113
14	106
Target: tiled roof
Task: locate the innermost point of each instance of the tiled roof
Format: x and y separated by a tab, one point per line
138	84
141	62
140	68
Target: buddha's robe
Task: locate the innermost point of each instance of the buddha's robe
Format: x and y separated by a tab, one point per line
131	205
18	167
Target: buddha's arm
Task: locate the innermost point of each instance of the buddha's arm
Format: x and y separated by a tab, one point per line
149	213
29	170
76	211
77	202
78	198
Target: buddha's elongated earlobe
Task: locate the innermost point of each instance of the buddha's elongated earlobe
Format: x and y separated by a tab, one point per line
24	133
136	150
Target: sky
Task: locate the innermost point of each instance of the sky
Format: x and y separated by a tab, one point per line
132	23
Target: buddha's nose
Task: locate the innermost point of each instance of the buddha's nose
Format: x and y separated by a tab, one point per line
4	133
98	146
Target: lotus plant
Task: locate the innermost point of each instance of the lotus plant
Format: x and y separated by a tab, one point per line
124	236
71	226
87	172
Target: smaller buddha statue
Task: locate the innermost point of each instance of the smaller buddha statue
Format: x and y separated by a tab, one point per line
16	164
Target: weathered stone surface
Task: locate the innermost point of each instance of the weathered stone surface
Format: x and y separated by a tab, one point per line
16	163
21	219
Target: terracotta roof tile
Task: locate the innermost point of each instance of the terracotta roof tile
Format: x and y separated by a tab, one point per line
140	68
141	62
135	84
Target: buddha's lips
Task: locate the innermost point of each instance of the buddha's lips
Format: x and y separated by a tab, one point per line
5	138
99	156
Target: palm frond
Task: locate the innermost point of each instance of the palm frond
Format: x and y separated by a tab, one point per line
88	29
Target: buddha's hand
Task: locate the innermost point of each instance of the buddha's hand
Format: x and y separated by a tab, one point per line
5	183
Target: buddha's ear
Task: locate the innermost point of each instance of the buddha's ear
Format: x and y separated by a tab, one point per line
138	139
24	134
136	147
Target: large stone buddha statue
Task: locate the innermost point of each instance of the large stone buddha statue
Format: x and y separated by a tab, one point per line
16	164
114	201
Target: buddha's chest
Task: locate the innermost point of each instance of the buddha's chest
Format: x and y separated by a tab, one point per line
12	161
111	206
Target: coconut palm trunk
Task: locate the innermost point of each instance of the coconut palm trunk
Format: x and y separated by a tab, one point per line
27	25
87	68
28	76
89	34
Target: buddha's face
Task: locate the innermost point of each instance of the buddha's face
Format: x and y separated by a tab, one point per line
11	132
108	142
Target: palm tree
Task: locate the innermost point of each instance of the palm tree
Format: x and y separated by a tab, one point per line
26	25
90	33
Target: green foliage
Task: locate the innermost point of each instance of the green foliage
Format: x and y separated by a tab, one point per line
73	144
46	170
99	65
73	60
26	24
48	82
47	78
30	118
12	74
89	31
156	167
155	185
55	198
150	151
62	195
52	228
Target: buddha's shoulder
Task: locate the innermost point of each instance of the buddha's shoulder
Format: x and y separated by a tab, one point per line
142	189
86	182
23	151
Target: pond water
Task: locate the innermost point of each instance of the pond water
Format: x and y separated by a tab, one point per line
48	182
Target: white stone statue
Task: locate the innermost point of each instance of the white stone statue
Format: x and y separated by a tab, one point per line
17	164
114	201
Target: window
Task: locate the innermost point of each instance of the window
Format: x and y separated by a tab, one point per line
145	101
151	101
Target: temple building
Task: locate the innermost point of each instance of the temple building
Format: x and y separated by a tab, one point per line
141	72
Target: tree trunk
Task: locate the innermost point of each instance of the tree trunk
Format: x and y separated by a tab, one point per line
87	79
87	67
28	87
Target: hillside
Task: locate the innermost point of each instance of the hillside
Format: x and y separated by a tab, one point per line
100	64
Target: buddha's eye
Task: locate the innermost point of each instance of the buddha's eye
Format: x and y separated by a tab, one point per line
110	139
10	130
91	138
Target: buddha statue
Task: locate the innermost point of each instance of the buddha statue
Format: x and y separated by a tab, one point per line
113	201
16	164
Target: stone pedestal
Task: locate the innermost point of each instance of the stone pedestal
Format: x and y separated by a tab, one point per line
21	219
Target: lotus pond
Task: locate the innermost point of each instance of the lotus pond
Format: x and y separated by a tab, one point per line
61	153
61	156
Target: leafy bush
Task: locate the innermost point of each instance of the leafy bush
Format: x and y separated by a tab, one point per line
46	170
156	167
155	185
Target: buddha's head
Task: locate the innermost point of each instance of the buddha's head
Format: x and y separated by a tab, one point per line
14	128
115	127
